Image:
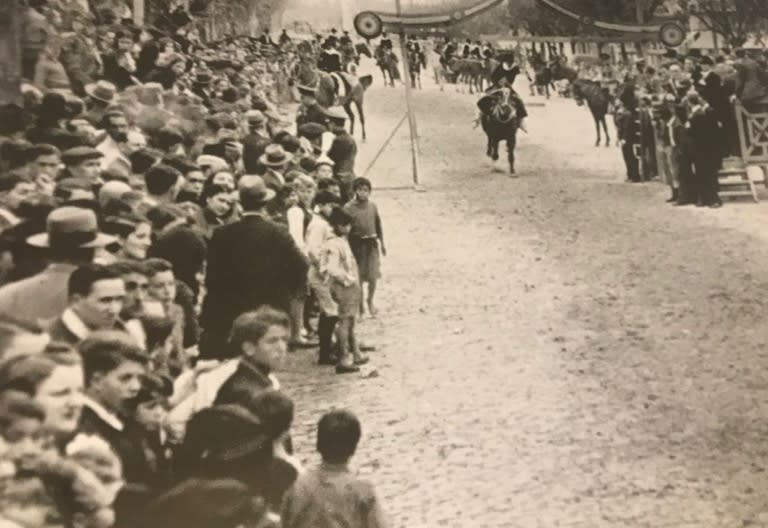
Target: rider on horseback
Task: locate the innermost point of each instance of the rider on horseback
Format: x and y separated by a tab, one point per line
330	58
504	77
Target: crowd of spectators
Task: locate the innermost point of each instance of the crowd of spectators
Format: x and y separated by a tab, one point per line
168	233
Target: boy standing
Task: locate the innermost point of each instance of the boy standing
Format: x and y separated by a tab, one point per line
344	281
365	238
331	495
319	232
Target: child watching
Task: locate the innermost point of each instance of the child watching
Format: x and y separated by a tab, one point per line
331	495
365	239
344	281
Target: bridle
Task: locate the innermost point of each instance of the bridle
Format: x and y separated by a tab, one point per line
502	104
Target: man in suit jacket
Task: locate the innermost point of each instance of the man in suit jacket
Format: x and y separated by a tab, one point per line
252	262
96	296
114	365
706	151
751	88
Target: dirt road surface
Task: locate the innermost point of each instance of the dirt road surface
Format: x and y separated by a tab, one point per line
557	349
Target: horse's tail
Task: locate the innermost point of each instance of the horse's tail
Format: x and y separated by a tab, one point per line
366	81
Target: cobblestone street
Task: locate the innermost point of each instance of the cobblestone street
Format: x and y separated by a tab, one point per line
556	349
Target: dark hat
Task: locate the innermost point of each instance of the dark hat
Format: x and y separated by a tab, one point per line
326	197
71	227
230	95
707	60
63	140
255	117
143	159
307	164
77	155
103	91
311	131
275	156
203	78
53	107
694	54
204	503
13	119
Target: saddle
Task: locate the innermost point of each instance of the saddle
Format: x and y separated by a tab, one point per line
342	84
492	104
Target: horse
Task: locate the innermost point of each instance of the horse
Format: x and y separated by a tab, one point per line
598	100
416	61
469	72
386	60
331	89
500	123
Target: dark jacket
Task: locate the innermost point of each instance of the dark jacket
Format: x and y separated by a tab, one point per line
310	114
126	444
253	148
710	87
251	262
343	152
751	83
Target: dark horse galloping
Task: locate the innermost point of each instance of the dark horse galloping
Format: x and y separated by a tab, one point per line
501	116
598	101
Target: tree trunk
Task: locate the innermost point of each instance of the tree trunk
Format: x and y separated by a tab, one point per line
10	52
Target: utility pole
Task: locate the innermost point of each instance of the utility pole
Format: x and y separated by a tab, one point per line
408	102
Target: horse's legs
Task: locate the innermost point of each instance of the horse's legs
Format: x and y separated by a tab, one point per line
597	127
607	136
361	114
348	110
511	144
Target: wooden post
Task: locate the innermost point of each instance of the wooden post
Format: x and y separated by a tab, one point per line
408	104
10	52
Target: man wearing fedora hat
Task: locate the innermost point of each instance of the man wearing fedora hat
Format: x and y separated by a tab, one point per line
101	95
276	160
251	262
201	87
71	239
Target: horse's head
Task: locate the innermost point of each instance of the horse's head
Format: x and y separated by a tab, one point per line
504	111
578	92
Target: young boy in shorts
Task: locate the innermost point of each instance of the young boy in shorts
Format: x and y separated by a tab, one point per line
366	239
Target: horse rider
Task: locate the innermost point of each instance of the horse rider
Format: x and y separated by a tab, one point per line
284	38
386	42
330	58
345	39
467	49
504	77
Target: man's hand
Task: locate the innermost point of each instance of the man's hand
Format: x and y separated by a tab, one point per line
383	249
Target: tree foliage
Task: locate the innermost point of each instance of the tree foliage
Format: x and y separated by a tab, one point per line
734	20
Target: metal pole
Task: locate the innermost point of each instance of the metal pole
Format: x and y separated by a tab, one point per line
408	104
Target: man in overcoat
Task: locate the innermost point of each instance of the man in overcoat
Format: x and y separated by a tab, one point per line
251	263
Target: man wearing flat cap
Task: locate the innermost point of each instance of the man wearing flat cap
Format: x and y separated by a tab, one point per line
313	133
71	239
309	111
83	163
251	263
343	150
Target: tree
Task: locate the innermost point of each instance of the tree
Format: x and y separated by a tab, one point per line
734	20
